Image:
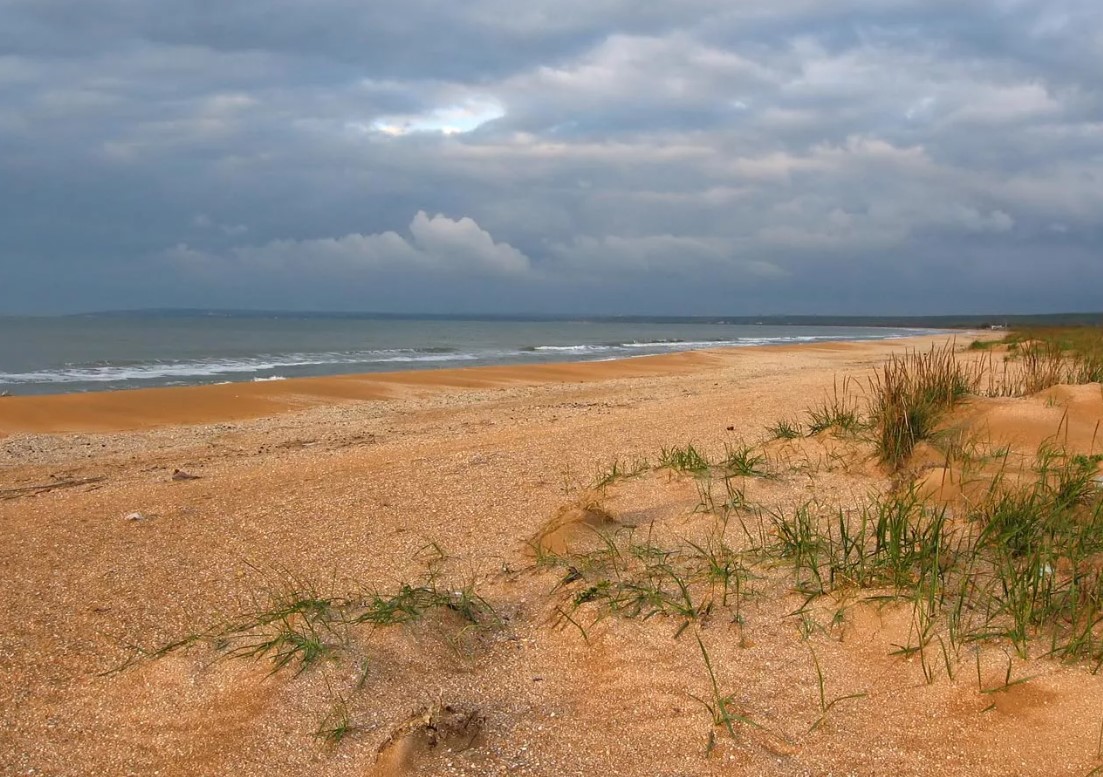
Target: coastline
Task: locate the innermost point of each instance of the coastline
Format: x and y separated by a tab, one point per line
359	485
62	356
147	408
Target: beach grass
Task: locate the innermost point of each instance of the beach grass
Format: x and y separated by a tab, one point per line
839	412
298	627
685	458
911	394
785	429
1037	358
744	460
1015	567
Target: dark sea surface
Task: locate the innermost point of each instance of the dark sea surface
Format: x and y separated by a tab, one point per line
69	354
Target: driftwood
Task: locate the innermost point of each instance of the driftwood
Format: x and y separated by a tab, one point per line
15	493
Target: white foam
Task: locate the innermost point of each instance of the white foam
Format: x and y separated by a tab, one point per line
162	370
681	345
583	348
449	357
261	366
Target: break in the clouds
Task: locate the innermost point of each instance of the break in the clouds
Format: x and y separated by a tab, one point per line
861	156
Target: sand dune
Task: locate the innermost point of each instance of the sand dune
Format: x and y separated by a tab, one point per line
440	482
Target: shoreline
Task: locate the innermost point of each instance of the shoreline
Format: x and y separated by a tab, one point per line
124	410
61	359
122	544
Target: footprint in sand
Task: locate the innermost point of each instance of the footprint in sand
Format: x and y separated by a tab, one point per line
425	736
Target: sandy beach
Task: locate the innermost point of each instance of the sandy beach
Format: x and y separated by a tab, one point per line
134	519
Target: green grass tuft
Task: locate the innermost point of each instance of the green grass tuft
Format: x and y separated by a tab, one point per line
687	459
838	412
785	430
910	396
744	460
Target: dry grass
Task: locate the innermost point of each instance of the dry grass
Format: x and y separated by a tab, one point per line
1037	359
911	393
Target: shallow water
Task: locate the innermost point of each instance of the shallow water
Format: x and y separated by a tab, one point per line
60	355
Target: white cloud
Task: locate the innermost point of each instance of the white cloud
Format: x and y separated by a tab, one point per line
437	245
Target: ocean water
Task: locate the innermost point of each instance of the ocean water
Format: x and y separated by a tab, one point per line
71	354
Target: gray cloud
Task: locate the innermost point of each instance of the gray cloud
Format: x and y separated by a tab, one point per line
703	157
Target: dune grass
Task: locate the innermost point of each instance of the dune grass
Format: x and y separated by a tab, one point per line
336	725
684	459
839	412
722	708
1025	564
620	470
910	395
629	575
296	626
785	429
744	460
1038	358
1021	566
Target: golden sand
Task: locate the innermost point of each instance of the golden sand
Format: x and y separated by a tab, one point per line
357	483
148	408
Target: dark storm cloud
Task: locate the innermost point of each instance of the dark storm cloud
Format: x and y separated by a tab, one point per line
859	156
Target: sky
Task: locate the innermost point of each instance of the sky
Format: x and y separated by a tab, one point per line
736	157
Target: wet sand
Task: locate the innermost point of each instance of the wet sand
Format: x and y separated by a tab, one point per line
148	408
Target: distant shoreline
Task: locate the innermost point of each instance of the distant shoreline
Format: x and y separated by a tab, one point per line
81	355
949	321
146	408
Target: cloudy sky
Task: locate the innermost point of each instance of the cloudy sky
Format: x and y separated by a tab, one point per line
553	156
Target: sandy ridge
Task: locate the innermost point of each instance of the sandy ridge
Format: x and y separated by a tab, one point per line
348	490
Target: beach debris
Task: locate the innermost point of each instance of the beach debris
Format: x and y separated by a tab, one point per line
431	731
15	493
179	474
136	516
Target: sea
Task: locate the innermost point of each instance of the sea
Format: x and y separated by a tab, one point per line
51	355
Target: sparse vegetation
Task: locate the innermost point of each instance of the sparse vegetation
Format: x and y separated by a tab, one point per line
1016	566
744	460
336	725
1025	564
911	394
838	412
296	626
985	345
1019	567
687	459
620	470
722	707
785	429
1039	358
825	705
635	578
